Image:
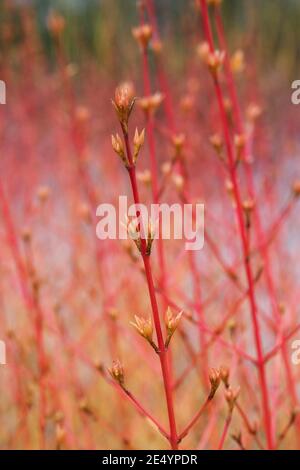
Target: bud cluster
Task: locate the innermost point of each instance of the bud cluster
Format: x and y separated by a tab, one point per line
178	181
213	59
237	61
43	194
144	328
133	230
124	102
150	104
231	396
248	207
117	372
217	143
143	35
296	188
138	142
172	322
224	374
119	148
253	112
56	23
150	237
178	141
117	145
215	380
239	142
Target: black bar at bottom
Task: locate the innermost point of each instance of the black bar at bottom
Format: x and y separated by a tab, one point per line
134	459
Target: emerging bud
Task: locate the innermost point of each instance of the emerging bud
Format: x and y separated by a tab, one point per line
230	189
144	176
215	379
156	100
232	326
248	207
239	141
85	407
228	107
231	397
296	188
113	313
26	235
237	61
99	366
166	168
224	374
178	181
282	308
124	102
217	143
203	51
133	231
253	112
144	327
150	237
117	372
138	142
43	193
187	103
178	141
172	323
150	104
213	59
60	436
55	23
156	46
84	213
142	34
124	95
82	114
71	70
117	145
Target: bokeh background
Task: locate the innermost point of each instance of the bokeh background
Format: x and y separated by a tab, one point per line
99	29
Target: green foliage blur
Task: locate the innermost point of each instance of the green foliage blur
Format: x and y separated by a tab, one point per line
101	29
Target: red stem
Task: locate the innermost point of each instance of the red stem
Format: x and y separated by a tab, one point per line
162	351
195	419
30	304
259	232
243	235
225	431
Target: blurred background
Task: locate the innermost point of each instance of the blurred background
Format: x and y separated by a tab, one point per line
99	28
